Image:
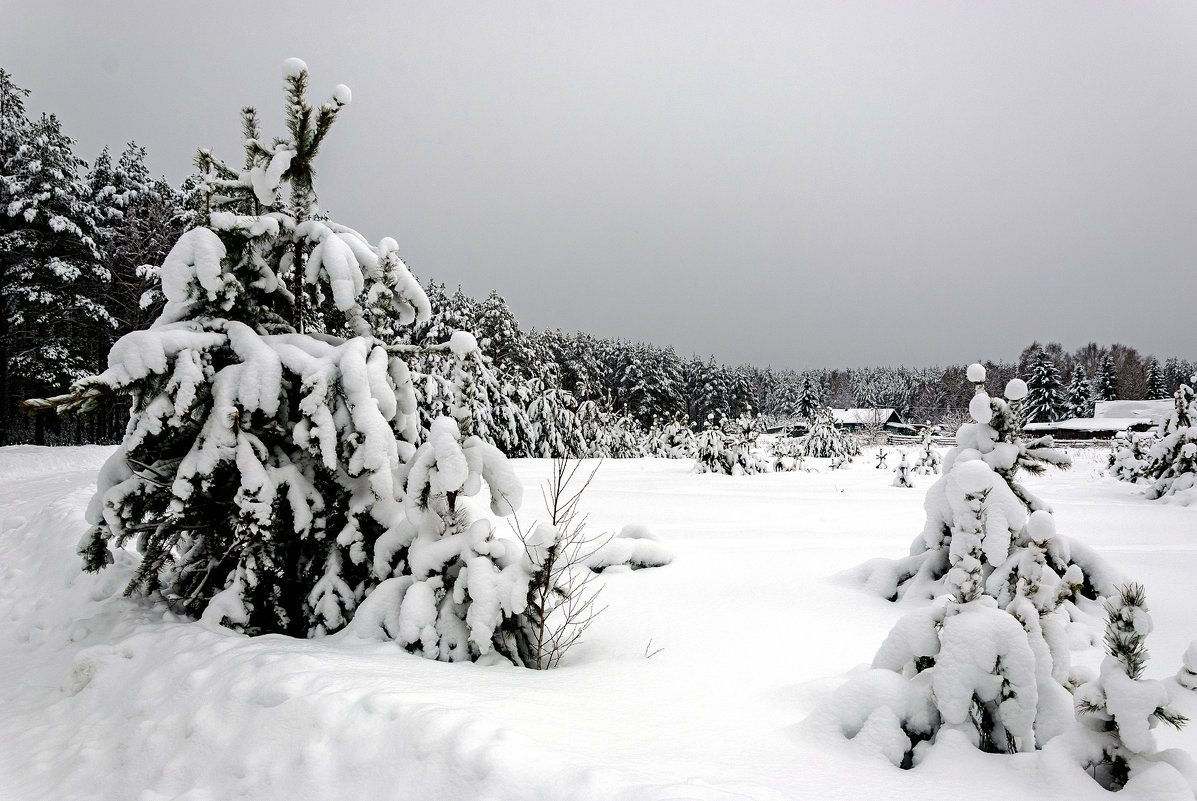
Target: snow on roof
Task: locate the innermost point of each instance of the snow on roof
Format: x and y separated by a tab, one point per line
1151	410
861	417
1089	424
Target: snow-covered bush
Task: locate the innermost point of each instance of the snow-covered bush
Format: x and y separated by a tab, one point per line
1120	706
451	589
787	455
677	441
1172	461
1129	455
274	470
730	448
826	439
635	546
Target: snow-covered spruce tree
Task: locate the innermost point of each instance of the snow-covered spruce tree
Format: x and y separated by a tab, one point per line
1045	393
1080	401
807	405
272	478
1156	389
52	280
553	425
1120	706
825	439
1105	384
1171	464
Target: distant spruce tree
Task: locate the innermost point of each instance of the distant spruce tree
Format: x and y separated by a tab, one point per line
1046	401
1156	389
1080	402
808	401
1105	384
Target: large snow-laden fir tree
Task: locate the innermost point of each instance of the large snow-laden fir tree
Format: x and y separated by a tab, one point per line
53	322
274	469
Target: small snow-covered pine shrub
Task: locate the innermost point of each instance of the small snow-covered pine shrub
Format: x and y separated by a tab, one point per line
1187	675
929	460
992	438
677	440
730	448
1120	707
902	473
1129	455
990	657
825	439
787	455
1172	460
275	470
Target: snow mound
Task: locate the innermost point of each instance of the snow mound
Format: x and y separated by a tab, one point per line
635	546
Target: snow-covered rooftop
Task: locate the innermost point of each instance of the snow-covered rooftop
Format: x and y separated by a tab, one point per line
1152	410
861	417
1089	424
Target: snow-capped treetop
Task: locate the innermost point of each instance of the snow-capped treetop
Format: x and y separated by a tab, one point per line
976	373
973	476
342	95
979	408
1016	389
294	67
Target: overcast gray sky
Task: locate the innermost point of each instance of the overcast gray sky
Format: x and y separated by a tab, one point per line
800	184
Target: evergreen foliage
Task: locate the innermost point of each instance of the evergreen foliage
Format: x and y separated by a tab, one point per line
990	657
52	279
1120	705
1080	401
1171	463
1156	390
273	479
1045	401
825	439
1105	384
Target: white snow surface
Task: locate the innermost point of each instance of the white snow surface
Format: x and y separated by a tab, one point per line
105	697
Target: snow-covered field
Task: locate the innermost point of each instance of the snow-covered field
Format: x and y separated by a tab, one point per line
708	678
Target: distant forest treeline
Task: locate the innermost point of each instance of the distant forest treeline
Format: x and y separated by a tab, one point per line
80	244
